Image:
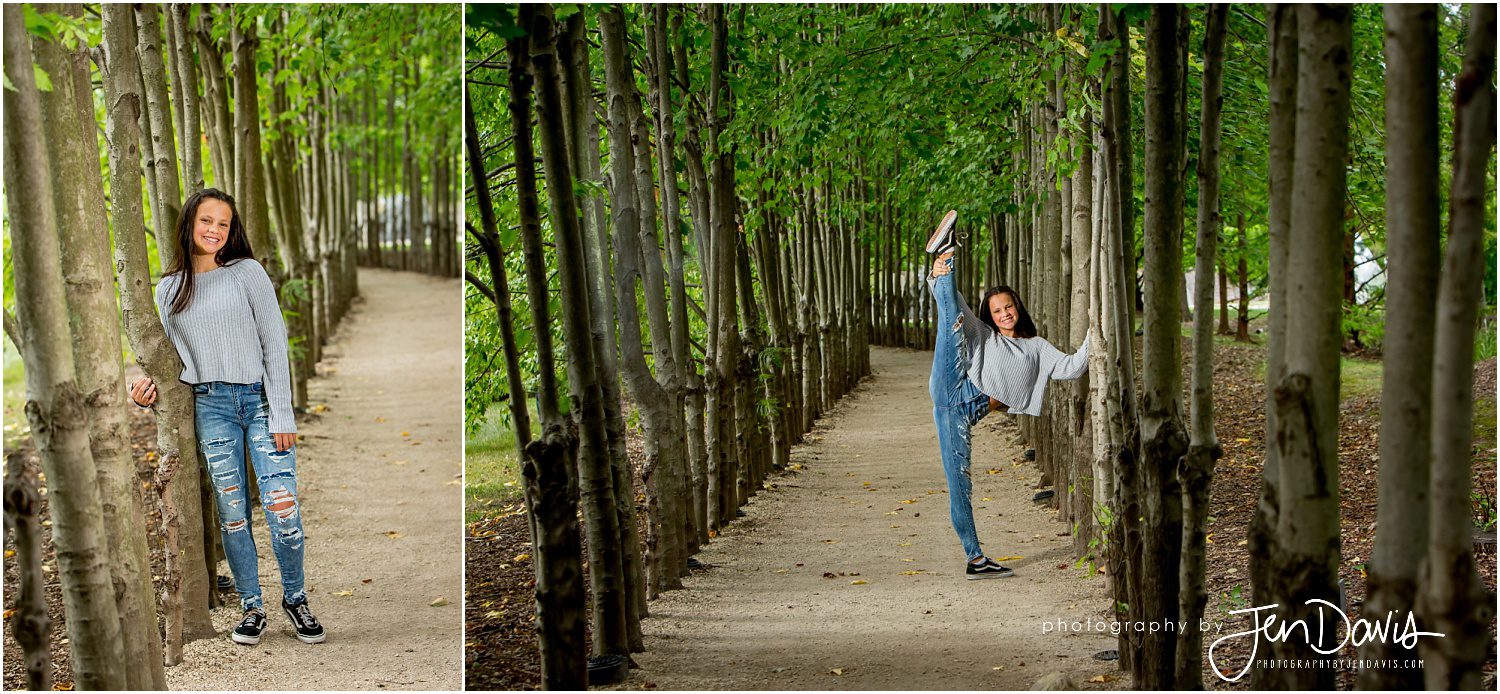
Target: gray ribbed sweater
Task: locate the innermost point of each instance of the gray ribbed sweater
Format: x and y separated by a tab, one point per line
1014	370
232	332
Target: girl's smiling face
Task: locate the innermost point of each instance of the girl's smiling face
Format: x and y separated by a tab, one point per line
1003	311
211	227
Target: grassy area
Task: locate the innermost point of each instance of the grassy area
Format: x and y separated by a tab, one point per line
492	471
1359	377
1484	422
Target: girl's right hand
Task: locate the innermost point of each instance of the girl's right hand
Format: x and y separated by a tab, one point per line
940	266
143	391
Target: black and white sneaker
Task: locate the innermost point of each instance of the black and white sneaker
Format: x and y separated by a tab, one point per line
308	628
942	239
250	628
989	568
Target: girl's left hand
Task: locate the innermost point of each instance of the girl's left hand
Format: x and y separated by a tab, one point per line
285	441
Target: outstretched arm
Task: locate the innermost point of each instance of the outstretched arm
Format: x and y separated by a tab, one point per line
1070	366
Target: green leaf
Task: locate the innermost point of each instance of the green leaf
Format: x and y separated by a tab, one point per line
497	18
43	80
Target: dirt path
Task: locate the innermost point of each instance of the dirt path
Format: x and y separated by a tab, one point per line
871	505
379	476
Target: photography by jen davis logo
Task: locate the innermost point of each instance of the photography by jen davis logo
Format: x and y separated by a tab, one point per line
1357	632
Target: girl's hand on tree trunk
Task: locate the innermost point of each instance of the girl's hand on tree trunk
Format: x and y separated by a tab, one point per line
285	441
143	391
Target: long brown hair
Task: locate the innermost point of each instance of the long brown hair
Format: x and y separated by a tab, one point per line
236	246
1024	326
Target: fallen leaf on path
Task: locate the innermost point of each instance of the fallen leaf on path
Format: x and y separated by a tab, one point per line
344	594
903	544
836	671
857	582
986	499
1101	679
914	572
394	535
521	557
1010	558
406	433
365	580
908	560
908	501
438	602
992	471
998	668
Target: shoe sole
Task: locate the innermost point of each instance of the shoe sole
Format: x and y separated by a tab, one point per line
940	236
244	640
980	577
320	638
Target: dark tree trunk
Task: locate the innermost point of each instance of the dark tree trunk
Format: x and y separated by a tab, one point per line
1163	437
595	479
1454	600
1412	231
1197	469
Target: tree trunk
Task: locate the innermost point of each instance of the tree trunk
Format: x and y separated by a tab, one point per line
216	112
95	325
1454	601
30	625
1197	469
596	483
175	427
186	83
627	191
1307	396
249	176
1412	213
686	375
1080	432
162	165
1163	439
1242	329
551	501
1262	539
1223	272
55	405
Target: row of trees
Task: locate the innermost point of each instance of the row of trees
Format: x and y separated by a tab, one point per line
1057	132
724	379
284	99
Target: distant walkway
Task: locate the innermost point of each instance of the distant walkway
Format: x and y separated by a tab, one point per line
382	496
848	575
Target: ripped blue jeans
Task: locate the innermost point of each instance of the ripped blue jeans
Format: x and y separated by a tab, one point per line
233	420
957	405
